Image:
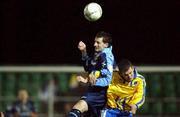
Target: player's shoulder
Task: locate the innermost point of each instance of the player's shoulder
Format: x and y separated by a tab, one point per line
140	76
107	51
115	74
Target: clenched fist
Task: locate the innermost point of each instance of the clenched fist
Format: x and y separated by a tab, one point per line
82	46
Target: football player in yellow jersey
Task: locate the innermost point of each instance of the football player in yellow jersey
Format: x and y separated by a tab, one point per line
126	93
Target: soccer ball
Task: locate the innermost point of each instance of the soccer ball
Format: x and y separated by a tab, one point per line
92	11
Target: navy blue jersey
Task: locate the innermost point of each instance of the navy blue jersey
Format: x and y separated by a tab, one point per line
23	110
103	62
96	95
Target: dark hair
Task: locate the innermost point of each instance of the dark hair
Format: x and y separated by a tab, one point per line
124	65
106	37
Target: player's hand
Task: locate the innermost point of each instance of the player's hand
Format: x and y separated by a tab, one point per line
133	108
92	79
82	46
82	79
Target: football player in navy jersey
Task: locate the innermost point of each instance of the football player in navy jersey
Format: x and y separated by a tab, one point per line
99	68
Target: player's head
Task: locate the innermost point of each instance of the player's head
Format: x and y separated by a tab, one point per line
102	40
126	70
23	95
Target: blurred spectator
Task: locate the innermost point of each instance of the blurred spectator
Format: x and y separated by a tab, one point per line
23	107
73	83
48	94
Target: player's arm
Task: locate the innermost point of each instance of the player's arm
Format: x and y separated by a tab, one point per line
111	97
85	58
82	77
107	61
139	96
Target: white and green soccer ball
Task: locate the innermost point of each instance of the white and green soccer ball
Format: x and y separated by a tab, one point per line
92	11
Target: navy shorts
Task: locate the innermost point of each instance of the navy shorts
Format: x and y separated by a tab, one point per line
96	100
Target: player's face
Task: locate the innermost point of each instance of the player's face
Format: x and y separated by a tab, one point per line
23	95
128	75
99	44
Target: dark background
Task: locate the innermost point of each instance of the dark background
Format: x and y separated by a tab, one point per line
41	32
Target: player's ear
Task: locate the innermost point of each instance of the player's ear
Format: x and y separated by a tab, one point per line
106	45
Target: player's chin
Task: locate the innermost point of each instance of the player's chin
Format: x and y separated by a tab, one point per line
97	50
130	79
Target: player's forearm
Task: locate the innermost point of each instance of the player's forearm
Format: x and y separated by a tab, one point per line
111	102
139	97
105	77
138	101
104	81
84	55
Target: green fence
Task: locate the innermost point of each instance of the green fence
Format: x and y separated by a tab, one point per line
162	94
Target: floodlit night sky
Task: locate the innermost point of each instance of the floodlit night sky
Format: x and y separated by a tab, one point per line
40	32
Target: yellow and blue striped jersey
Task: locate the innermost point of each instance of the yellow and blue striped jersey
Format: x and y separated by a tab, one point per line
121	94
